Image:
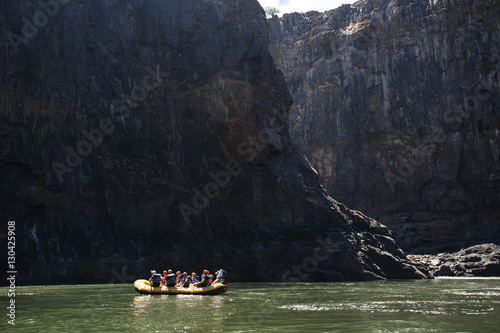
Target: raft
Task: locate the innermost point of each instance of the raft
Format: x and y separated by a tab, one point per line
143	287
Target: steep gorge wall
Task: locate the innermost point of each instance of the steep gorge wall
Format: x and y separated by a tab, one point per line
141	135
397	105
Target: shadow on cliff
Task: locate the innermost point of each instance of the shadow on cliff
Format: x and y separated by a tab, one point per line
151	135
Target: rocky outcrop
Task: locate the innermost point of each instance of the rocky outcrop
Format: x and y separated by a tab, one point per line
397	105
478	260
141	135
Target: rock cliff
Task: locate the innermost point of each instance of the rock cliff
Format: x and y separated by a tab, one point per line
477	260
141	135
397	105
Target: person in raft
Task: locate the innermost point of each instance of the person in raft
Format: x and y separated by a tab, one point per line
155	279
164	279
170	278
194	278
205	279
178	278
186	280
220	276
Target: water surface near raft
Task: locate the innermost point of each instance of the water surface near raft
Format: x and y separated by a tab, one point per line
441	305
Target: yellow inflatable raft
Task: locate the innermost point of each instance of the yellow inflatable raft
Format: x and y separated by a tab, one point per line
143	287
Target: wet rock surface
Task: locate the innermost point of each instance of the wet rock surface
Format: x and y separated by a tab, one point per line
138	135
397	105
478	260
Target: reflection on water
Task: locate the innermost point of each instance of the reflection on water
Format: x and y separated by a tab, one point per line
441	305
176	313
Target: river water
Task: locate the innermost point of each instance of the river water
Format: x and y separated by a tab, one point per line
441	305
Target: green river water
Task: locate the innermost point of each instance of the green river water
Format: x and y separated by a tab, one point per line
441	305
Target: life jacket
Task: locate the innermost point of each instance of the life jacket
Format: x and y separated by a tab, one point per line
221	275
171	278
156	279
205	280
210	278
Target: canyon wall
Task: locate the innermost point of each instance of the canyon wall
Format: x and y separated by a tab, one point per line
397	106
140	135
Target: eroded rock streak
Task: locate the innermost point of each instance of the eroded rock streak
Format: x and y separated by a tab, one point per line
397	105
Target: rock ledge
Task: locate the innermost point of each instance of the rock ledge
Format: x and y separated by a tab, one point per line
478	260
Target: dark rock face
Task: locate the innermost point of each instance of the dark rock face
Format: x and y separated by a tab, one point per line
397	105
478	260
141	135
